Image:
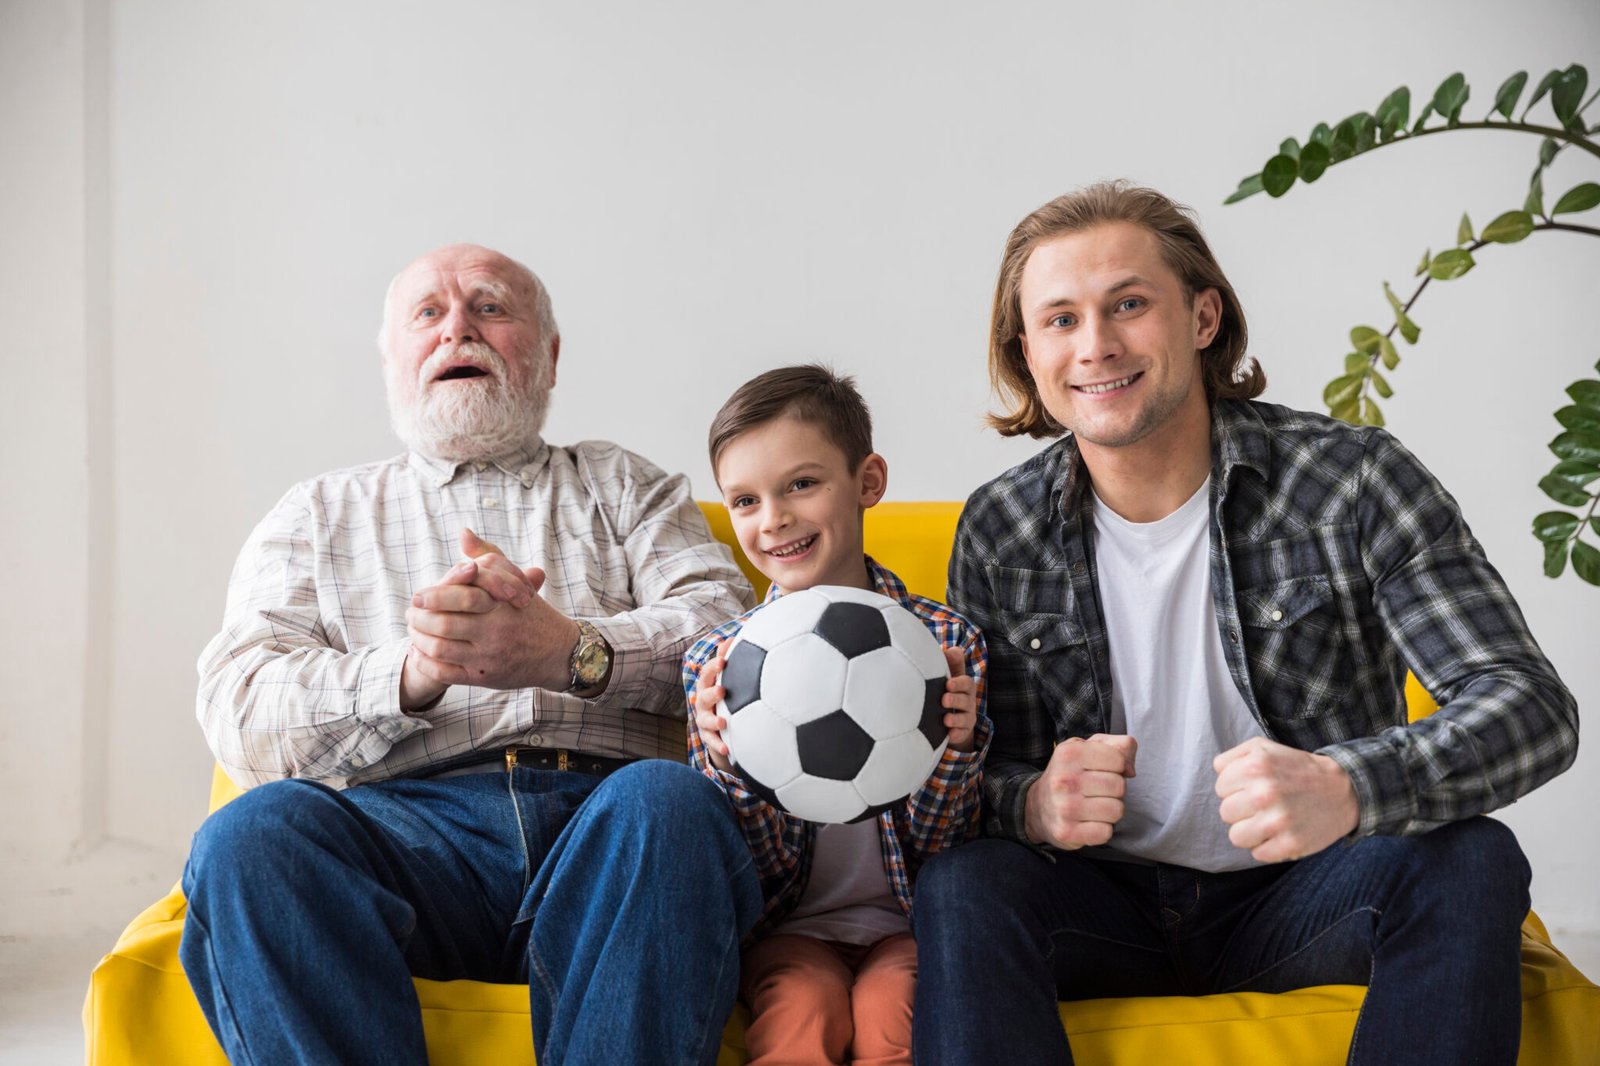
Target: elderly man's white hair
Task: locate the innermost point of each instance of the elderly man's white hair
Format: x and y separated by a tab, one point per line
543	313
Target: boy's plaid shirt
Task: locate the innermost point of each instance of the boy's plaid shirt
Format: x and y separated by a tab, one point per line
942	814
1337	560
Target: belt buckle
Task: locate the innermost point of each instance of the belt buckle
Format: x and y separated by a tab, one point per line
563	761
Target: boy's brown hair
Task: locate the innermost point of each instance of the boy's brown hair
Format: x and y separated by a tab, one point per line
1226	370
812	393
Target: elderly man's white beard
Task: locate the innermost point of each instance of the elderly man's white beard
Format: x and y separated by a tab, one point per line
476	419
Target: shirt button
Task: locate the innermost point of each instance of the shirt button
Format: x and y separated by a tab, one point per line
1277	616
1034	643
490	501
1077	568
527	482
535	740
1233	636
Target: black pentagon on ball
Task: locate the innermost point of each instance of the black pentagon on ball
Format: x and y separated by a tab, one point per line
853	628
833	746
741	677
933	712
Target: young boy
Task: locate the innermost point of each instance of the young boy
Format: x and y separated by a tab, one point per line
832	971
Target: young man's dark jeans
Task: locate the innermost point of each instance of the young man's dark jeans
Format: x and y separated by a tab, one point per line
1431	924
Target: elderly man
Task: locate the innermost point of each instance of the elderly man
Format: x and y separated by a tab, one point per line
452	770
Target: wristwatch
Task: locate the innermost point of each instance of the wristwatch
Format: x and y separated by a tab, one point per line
591	658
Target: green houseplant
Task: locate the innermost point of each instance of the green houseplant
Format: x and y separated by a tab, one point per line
1353	395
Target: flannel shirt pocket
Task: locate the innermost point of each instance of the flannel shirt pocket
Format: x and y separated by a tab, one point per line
1300	658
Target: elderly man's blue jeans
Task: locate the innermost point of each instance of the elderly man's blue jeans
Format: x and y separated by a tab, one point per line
1429	923
621	903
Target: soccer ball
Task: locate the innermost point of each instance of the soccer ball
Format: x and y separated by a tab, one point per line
833	698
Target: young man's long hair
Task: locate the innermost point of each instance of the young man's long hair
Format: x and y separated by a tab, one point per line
1227	372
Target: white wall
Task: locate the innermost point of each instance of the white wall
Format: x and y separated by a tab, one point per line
711	189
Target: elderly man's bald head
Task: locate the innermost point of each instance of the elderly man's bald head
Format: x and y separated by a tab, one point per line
451	254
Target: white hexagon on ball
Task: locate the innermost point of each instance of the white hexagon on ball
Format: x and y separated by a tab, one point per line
782	618
762	744
822	800
897	766
920	646
884	693
803	678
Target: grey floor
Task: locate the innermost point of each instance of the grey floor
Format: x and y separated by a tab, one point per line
66	919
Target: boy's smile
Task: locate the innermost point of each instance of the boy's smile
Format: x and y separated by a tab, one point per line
796	505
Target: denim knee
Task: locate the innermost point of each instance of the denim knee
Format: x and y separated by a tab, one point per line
261	827
957	888
666	803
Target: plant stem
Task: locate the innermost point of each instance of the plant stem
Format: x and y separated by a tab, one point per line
1522	127
1593	502
1372	360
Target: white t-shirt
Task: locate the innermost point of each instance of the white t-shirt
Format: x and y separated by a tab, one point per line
1170	686
847	896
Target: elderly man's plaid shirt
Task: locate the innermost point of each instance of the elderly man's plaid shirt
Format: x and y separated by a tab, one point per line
1337	561
940	815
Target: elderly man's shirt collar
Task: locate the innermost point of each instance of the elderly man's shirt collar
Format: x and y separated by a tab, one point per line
523	464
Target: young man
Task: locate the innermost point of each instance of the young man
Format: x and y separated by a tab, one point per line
830	979
1200	611
457	772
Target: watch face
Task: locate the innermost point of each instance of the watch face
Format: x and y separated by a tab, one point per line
592	663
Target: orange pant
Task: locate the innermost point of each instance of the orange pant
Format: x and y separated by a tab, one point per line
816	1001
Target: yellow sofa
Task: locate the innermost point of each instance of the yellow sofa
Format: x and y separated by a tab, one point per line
139	1008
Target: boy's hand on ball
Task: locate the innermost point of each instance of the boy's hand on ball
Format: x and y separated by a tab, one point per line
961	700
1078	798
708	693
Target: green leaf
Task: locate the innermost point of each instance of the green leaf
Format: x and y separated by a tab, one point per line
1422	119
1555	557
1547	151
1344	142
1381	385
1366	339
1422	267
1578	198
1576	471
1248	187
1451	96
1464	230
1509	228
1539	90
1595	522
1534	204
1370	415
1290	148
1586	561
1342	390
1278	175
1579	418
1408	328
1366	131
1561	490
1505	99
1390	357
1322	134
1450	264
1580	444
1314	159
1356	363
1394	112
1349	411
1567	93
1585	393
1556	525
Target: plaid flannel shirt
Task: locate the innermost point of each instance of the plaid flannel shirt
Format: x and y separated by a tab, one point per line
1336	561
940	815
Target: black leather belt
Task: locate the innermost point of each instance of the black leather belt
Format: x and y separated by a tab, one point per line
540	759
